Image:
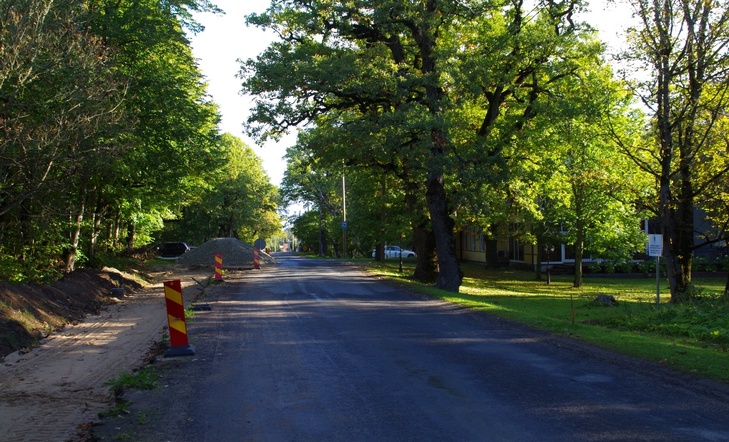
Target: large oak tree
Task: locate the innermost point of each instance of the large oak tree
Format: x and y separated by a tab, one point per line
394	63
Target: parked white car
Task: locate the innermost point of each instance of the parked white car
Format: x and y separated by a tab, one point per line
394	252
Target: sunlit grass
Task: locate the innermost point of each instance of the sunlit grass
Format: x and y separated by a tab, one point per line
692	337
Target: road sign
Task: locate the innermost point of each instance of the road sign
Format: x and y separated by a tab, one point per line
655	245
260	244
344	225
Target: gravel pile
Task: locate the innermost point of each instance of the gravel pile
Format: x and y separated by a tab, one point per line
235	254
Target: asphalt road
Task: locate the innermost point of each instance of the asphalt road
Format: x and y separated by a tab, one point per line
315	351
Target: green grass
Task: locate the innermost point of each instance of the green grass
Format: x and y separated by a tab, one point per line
144	379
692	337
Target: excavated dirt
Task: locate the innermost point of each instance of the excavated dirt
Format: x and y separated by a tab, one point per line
234	252
80	338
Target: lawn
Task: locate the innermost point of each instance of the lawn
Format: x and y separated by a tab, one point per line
692	338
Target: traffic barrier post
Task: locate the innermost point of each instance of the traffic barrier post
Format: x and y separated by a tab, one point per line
256	259
218	267
179	345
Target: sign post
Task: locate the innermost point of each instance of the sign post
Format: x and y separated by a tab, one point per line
655	248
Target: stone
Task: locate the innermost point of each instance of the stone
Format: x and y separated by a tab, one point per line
606	300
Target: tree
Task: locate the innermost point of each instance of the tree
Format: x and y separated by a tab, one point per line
104	123
172	144
379	62
59	106
237	199
376	204
310	181
597	195
680	49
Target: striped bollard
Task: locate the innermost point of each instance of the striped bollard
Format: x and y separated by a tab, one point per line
256	260
176	320
218	267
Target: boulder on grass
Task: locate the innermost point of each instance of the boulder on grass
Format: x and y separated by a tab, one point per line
606	300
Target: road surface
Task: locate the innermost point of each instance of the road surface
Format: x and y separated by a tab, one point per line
319	351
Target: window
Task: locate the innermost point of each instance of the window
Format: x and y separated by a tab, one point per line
517	250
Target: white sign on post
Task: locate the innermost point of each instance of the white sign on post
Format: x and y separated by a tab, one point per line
655	245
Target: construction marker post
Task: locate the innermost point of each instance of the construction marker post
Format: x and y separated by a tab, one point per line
176	320
218	267
258	245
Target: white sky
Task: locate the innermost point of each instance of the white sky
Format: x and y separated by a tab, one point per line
226	39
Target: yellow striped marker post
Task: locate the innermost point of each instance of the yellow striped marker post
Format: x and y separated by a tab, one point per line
256	259
176	320
218	267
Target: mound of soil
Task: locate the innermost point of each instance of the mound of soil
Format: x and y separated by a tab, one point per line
235	253
30	312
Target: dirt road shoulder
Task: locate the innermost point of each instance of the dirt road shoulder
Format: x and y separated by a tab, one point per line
45	394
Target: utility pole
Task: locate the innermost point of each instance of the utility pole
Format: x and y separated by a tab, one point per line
344	217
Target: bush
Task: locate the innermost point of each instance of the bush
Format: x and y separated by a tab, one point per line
701	264
705	319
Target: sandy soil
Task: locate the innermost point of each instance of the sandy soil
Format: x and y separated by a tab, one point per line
46	394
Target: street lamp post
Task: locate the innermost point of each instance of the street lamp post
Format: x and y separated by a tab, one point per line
344	218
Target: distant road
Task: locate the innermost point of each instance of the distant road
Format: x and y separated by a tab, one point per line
316	351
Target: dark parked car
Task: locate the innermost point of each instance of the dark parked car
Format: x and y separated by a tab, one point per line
172	250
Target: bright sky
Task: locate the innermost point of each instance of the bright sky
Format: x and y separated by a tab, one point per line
226	39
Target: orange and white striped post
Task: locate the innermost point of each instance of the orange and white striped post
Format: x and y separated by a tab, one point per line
218	267
256	259
176	320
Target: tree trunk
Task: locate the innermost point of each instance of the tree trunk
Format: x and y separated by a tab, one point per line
117	228
540	245
675	206
579	240
492	249
72	250
685	221
321	232
131	235
677	229
579	250
426	267
380	247
449	273
93	237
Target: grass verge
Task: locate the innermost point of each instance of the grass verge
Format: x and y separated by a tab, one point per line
143	379
692	338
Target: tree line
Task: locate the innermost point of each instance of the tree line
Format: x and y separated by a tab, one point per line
108	141
500	115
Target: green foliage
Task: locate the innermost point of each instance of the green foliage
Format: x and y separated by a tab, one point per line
107	133
306	229
704	320
237	199
481	122
648	267
144	379
684	82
